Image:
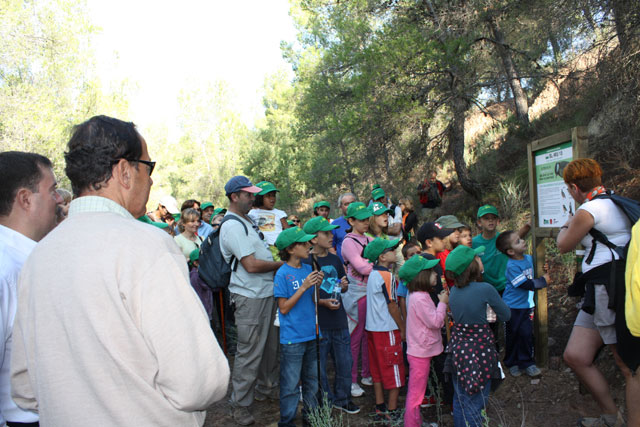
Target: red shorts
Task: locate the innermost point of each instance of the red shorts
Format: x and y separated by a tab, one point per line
385	358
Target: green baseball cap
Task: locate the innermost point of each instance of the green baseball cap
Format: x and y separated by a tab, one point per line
176	216
358	210
145	218
379	208
377	193
218	211
459	259
194	255
414	265
321	203
377	246
487	209
292	235
267	187
290	223
318	223
206	205
449	221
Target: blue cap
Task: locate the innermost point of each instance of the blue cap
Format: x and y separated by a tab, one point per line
240	183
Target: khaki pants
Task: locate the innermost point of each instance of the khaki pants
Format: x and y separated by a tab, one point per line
256	360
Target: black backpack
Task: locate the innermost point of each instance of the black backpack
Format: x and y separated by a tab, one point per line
213	268
433	195
631	209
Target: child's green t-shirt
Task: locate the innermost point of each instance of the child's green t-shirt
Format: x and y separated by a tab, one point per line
494	261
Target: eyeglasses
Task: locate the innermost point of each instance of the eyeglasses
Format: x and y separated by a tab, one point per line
150	165
257	229
295	221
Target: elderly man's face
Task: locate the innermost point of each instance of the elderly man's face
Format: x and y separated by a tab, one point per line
344	204
142	183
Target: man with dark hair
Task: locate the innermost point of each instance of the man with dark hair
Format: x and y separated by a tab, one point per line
108	330
251	285
28	204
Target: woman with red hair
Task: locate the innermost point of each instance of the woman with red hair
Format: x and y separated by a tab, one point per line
595	323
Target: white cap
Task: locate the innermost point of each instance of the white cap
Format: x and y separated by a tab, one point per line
170	203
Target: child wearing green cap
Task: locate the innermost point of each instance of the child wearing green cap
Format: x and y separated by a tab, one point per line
298	351
322	208
424	323
331	315
355	301
385	328
270	221
472	343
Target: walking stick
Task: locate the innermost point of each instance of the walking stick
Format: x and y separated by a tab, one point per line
316	292
224	335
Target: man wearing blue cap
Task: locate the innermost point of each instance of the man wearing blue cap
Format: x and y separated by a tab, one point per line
251	288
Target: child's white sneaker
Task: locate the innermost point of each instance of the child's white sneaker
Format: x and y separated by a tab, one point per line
533	371
356	390
367	381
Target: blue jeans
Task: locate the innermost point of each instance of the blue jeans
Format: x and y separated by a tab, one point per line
298	362
467	408
336	342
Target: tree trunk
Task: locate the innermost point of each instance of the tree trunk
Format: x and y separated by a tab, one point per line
520	98
347	166
627	16
456	142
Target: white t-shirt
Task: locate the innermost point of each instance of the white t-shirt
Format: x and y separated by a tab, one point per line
396	219
378	317
610	220
268	222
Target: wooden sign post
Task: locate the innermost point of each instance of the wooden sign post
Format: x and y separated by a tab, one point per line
551	206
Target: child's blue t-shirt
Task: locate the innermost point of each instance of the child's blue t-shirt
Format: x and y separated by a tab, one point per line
298	325
402	291
517	272
493	260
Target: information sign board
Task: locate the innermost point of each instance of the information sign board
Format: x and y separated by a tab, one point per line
555	204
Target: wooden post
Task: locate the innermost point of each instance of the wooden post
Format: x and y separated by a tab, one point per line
579	139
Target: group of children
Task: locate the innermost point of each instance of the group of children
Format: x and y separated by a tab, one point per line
366	309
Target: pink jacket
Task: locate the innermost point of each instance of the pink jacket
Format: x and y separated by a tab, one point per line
424	322
357	266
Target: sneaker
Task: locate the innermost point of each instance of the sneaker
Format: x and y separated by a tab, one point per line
515	371
396	416
356	390
428	424
533	371
381	415
242	416
428	402
349	408
367	381
602	421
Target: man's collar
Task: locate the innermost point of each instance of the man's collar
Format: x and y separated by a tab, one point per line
97	204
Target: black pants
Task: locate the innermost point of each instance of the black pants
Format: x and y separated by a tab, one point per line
16	424
519	339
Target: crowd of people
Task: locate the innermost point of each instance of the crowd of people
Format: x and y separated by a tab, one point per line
102	324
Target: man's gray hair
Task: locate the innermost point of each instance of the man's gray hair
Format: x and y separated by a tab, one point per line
343	195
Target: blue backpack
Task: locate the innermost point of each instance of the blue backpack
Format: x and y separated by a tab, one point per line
631	209
213	268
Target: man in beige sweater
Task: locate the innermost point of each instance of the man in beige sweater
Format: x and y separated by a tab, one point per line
108	330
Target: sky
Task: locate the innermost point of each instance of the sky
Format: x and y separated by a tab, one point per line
160	47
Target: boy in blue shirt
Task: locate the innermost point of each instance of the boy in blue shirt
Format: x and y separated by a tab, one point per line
298	351
518	295
332	318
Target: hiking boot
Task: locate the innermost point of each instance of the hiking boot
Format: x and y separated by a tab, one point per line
349	408
515	371
242	416
533	371
356	390
273	395
367	381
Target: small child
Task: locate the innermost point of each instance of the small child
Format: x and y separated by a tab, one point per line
464	235
473	361
331	315
518	295
385	329
298	351
410	249
424	322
